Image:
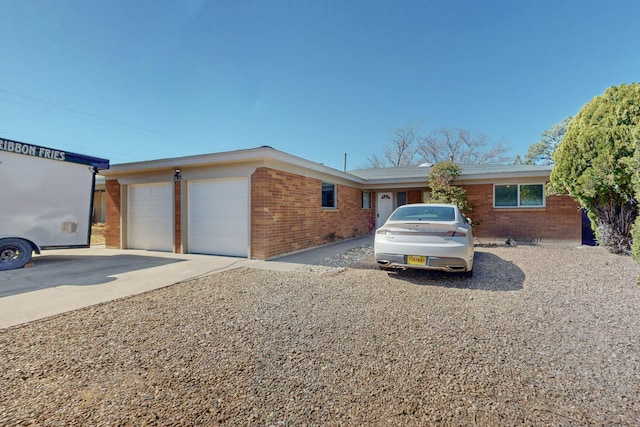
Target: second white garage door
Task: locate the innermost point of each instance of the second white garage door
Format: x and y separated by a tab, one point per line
219	217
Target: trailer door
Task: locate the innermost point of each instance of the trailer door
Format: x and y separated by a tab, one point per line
45	201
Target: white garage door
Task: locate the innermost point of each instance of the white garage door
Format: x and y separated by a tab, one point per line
219	217
150	217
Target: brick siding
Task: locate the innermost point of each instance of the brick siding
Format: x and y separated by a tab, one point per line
112	214
177	238
287	214
560	220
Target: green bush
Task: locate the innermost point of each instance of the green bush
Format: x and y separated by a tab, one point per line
597	163
635	236
441	180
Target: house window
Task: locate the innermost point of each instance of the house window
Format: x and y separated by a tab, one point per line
366	200
328	195
518	195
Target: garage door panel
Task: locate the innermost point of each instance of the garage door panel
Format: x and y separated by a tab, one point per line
150	217
219	217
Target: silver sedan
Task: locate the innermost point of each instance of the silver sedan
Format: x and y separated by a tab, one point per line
426	236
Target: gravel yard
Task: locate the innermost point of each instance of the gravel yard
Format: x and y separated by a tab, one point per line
540	335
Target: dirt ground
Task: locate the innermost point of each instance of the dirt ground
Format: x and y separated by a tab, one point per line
539	336
97	234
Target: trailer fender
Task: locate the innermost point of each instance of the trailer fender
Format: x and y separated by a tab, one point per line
15	253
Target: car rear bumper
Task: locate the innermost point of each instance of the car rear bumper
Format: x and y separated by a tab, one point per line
449	264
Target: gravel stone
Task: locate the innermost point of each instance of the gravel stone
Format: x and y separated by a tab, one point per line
541	335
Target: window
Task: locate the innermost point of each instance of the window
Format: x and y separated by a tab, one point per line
366	200
518	195
328	195
424	213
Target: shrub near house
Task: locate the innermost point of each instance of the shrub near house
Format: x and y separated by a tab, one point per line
597	160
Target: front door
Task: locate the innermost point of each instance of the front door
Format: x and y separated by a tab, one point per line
384	208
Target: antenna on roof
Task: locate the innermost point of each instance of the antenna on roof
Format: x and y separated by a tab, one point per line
345	162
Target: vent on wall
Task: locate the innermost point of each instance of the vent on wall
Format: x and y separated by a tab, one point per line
69	227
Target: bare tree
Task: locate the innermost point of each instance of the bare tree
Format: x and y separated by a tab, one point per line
400	151
406	147
375	161
460	146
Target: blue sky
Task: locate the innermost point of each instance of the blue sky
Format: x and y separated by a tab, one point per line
147	79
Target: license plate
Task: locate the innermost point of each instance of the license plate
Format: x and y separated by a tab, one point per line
416	260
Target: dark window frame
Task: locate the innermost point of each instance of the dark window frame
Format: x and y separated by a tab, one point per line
517	189
366	202
329	195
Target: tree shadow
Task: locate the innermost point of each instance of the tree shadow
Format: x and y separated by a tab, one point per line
490	273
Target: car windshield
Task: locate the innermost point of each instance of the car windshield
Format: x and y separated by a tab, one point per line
424	213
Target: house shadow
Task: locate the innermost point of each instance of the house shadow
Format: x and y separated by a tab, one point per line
490	273
50	270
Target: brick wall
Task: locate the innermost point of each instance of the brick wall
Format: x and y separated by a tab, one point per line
561	219
177	238
287	214
112	214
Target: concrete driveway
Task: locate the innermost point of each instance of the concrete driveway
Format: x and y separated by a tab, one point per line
67	279
63	280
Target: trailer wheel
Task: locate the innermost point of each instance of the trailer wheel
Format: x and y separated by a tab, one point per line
14	253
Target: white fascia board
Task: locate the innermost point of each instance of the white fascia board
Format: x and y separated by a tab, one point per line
482	178
270	157
300	166
262	155
385	184
501	176
188	161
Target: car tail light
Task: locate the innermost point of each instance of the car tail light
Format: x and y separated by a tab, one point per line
449	233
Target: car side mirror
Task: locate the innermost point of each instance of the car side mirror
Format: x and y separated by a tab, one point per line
469	220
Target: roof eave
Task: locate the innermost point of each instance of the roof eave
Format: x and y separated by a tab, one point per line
545	173
394	183
228	157
386	183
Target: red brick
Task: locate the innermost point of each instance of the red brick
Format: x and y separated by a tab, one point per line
287	214
561	219
112	214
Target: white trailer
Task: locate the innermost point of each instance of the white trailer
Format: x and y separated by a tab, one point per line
46	200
